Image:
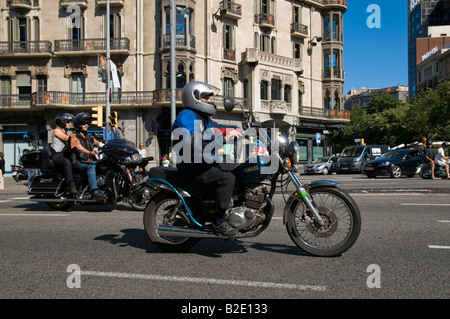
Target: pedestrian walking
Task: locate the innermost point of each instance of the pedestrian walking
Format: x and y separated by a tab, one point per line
2	170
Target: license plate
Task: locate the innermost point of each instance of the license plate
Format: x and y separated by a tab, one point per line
369	168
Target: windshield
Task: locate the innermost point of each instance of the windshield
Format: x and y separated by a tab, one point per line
321	160
391	155
353	151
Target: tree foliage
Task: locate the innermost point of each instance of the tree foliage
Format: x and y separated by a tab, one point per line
389	121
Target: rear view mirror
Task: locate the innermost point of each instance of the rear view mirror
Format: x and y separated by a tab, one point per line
228	104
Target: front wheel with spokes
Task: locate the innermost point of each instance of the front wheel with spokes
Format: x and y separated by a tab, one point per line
341	228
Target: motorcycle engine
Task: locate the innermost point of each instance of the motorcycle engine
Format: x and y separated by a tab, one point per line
249	215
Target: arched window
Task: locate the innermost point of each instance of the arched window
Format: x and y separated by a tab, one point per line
327	101
181	76
337	101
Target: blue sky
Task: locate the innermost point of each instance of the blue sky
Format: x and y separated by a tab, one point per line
375	57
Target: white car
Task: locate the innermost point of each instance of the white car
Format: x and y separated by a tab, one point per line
322	165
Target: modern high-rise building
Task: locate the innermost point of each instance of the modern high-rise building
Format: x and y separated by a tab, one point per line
423	14
282	60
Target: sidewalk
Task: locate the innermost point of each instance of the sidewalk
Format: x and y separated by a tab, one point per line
13	187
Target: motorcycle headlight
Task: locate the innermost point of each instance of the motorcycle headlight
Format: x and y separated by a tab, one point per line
292	151
135	157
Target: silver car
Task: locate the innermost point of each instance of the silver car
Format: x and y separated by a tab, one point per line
322	165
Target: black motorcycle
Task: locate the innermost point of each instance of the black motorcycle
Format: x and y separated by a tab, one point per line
118	176
19	173
320	218
439	171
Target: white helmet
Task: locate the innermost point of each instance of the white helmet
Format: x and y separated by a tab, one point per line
192	95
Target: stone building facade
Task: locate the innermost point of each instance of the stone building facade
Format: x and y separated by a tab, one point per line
283	60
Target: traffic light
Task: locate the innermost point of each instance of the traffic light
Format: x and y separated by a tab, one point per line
113	119
98	115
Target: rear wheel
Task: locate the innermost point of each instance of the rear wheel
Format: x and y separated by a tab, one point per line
157	213
60	205
342	223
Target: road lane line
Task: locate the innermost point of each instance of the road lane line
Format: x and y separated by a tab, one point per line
443	221
40	215
423	204
438	247
258	284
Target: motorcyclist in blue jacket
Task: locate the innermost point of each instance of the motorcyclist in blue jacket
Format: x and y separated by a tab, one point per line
196	122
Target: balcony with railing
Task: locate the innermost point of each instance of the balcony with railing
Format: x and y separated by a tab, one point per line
90	99
230	10
229	54
112	3
299	30
119	46
314	112
265	20
276	106
340	4
182	41
22	5
15	101
255	56
80	3
25	49
155	98
334	73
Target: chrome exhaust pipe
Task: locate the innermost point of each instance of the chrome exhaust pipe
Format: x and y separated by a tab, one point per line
53	200
187	232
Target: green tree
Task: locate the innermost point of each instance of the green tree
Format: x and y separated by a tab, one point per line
388	121
382	101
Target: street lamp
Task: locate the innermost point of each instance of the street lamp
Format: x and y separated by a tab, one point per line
311	42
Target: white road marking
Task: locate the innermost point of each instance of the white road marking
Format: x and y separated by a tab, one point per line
40	215
258	284
438	247
423	204
443	221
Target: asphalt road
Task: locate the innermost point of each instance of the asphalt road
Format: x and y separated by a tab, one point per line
402	252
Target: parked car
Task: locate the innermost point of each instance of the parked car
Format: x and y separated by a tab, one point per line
395	163
353	157
322	165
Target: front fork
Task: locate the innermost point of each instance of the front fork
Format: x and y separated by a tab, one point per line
310	203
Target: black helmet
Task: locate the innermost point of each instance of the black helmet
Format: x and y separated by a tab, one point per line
429	142
192	96
62	119
80	119
445	144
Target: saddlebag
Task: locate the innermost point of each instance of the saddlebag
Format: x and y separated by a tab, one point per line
31	160
46	185
38	159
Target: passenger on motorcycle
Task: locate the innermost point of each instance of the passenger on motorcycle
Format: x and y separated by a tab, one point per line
441	158
81	144
196	119
59	146
429	157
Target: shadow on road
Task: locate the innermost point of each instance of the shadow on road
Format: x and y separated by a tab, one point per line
213	248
